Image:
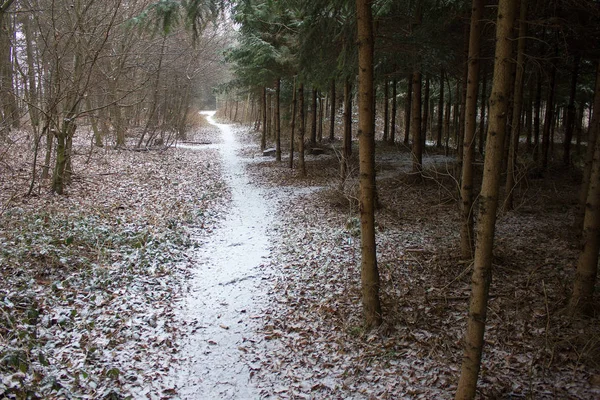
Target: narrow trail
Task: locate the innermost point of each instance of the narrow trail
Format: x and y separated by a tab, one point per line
226	289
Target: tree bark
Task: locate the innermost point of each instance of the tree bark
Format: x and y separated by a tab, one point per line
579	126
301	130
529	117
277	120
408	108
425	119
463	98
263	137
467	239
537	116
320	119
369	271
587	266
293	127
417	149
456	120
332	113
593	132
549	117
517	109
347	139
32	92
447	127
394	112
10	117
386	111
269	116
440	116
483	108
47	132
94	122
570	120
313	118
481	278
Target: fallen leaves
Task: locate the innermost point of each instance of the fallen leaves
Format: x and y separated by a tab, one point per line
314	345
89	278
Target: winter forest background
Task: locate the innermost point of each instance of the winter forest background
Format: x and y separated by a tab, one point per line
433	168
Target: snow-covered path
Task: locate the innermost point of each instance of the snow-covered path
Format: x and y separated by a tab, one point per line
225	290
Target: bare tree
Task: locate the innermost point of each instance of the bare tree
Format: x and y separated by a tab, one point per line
366	135
481	279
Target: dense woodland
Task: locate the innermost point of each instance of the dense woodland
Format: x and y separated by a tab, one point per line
509	91
513	82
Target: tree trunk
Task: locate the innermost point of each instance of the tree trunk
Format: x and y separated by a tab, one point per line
68	172
394	112
115	113
593	132
320	120
440	116
347	140
408	108
447	127
463	98
269	116
579	126
301	130
417	149
61	162
517	108
313	118
374	108
94	122
483	108
587	265
7	88
425	119
332	113
549	118
32	92
369	271
456	119
509	117
570	120
481	279
277	120
467	239
263	138
529	117
292	138
151	123
48	132
386	111
537	116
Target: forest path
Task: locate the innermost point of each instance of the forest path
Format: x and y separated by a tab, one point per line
226	289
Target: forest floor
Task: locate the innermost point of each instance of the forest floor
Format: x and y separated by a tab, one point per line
316	346
89	278
94	283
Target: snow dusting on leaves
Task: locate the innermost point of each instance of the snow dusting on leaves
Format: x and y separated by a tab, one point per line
91	281
90	278
312	343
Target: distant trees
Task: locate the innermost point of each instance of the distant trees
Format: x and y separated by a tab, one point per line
407	42
98	65
310	42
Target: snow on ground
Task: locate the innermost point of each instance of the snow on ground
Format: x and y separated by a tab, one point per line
209	270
